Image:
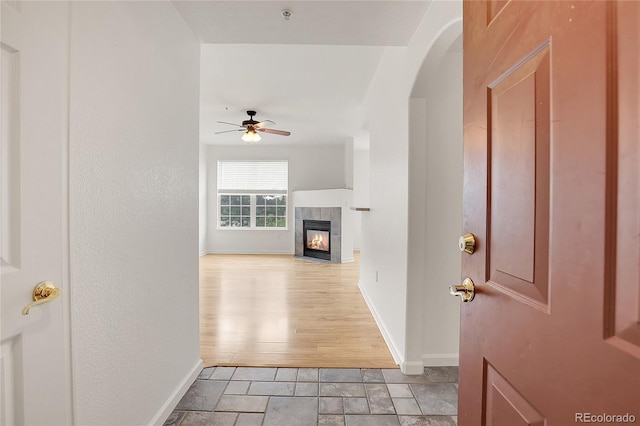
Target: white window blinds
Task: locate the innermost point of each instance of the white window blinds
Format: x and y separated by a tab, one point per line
255	177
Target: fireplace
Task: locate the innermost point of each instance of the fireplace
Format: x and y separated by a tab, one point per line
330	221
317	238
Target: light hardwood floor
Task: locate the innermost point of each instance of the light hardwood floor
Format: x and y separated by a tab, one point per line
276	310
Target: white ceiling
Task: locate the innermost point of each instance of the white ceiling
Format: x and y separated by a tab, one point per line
350	22
315	92
308	74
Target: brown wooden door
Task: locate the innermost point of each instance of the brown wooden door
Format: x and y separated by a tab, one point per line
552	193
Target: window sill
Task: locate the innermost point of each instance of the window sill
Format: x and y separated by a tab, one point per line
239	228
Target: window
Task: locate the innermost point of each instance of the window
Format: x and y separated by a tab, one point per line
235	210
252	194
271	211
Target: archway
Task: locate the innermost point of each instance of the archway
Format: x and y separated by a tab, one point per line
435	204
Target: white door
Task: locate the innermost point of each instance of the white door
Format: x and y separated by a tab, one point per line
34	368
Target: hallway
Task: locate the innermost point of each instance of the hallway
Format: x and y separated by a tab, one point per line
280	311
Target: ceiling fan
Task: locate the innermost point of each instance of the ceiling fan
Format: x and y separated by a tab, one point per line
251	128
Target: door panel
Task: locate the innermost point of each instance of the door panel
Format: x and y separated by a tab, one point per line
494	7
11	164
34	364
505	406
623	260
551	191
518	153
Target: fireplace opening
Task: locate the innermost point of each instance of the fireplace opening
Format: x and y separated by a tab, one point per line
317	238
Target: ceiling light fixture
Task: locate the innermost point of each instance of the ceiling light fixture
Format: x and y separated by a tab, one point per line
251	136
251	127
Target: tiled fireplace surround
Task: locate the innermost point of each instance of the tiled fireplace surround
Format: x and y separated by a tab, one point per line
334	214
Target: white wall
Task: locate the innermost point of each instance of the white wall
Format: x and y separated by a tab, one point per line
202	199
384	229
133	210
444	212
435	214
361	179
384	242
417	238
348	164
310	168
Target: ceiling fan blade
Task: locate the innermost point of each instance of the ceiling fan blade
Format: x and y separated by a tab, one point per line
234	130
233	124
262	123
274	131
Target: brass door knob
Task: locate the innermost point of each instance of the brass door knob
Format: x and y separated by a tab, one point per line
466	291
467	243
44	292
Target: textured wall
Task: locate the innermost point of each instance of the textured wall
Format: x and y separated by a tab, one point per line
133	208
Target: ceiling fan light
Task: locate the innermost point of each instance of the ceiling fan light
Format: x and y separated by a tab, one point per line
251	136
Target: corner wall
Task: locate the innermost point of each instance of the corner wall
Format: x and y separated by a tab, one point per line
134	102
384	275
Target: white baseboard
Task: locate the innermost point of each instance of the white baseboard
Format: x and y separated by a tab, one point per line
441	360
385	335
249	252
165	411
412	367
348	260
203	253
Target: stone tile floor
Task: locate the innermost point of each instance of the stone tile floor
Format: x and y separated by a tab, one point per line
239	396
